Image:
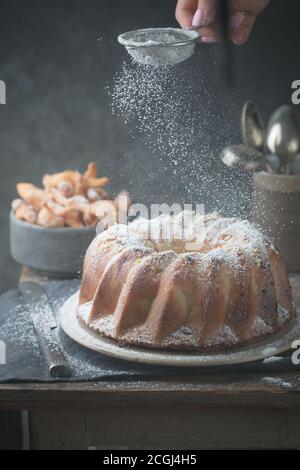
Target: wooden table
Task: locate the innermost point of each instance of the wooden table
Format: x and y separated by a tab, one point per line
179	412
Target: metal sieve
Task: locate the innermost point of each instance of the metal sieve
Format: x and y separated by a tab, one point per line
160	46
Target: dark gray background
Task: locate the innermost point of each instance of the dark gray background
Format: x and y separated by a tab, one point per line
58	114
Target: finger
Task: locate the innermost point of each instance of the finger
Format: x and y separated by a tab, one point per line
185	12
211	33
252	8
195	13
242	18
243	14
241	34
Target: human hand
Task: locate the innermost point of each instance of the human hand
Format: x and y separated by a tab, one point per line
202	14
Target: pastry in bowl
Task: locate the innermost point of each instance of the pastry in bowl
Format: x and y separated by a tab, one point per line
52	227
68	199
223	286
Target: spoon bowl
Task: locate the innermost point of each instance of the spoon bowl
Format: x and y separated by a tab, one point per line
244	157
253	133
283	133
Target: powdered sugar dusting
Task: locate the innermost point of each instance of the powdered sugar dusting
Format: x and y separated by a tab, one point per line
228	250
224	335
260	327
277	381
21	332
283	315
272	360
184	118
140	95
208	232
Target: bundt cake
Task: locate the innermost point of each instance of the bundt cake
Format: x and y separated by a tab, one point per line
221	284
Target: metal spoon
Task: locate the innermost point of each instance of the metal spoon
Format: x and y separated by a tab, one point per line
244	157
253	133
283	132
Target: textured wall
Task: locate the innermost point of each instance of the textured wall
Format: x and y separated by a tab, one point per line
57	113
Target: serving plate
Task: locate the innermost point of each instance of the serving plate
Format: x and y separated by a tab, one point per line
270	346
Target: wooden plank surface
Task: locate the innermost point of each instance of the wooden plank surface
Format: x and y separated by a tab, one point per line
282	390
57	429
177	428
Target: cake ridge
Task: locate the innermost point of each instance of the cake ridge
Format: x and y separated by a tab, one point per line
230	290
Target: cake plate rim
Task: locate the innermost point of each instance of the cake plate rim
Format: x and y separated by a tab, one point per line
272	345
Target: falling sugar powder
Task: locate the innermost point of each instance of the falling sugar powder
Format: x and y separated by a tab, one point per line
182	119
157	101
158	104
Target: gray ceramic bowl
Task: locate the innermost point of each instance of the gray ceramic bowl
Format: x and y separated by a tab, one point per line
56	252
